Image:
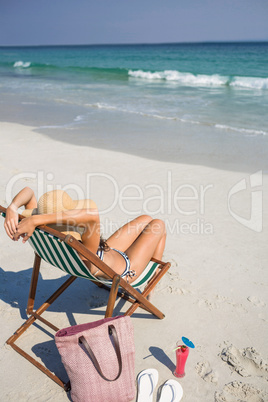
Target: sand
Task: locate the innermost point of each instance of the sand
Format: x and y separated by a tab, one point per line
215	292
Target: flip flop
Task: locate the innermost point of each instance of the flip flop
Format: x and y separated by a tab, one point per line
171	392
147	381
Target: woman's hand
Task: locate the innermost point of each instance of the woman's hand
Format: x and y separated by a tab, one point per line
24	197
11	221
25	229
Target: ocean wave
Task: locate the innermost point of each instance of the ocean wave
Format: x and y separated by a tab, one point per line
105	106
83	119
246	131
201	80
79	118
21	64
67	126
182	78
171	76
97	73
249	82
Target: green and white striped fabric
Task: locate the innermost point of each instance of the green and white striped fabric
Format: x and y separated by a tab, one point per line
58	253
63	256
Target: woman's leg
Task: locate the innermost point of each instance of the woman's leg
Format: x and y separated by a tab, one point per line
150	243
127	234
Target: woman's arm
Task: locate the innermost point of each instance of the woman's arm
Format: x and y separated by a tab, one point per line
25	198
86	218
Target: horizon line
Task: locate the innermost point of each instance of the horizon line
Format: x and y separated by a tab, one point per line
145	43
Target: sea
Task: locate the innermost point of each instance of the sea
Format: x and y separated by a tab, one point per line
101	90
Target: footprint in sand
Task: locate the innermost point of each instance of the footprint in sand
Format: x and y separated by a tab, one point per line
211	305
220	302
257	302
246	362
238	391
262	317
206	372
173	276
174	290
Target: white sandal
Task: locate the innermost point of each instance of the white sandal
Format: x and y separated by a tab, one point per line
147	381
171	392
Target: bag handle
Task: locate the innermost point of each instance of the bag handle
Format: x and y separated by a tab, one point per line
113	333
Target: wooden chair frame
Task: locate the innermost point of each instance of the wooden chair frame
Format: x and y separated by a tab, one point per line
126	291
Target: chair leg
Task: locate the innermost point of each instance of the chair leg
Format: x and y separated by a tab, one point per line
33	286
112	296
37	316
139	299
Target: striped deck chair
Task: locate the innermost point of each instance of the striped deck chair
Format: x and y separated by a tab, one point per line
63	251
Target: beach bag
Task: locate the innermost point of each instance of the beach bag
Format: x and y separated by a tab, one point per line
99	358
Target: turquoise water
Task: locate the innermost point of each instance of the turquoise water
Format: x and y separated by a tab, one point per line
222	85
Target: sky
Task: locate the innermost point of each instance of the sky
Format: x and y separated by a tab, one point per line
69	22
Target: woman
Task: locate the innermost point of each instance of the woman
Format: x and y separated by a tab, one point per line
127	251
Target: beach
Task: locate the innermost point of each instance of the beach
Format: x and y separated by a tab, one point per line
215	292
174	131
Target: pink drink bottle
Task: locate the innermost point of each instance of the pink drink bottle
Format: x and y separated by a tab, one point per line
181	356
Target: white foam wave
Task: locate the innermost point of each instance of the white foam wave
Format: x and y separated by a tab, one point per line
246	131
22	64
250	82
59	100
68	126
103	106
181	78
155	116
79	118
249	132
201	80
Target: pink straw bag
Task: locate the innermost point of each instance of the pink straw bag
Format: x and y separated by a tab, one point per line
99	358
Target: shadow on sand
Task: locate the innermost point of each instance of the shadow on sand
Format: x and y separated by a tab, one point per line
162	357
82	297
